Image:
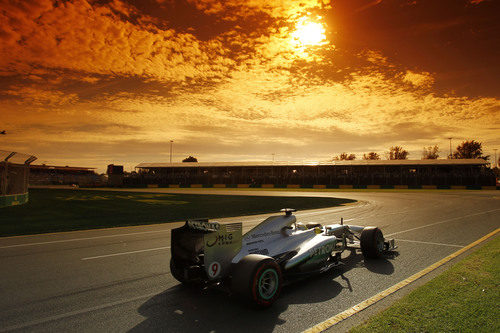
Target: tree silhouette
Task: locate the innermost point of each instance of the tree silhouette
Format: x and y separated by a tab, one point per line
190	159
397	153
430	153
371	156
470	149
345	157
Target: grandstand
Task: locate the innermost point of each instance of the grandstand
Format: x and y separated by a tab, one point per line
355	173
63	175
14	175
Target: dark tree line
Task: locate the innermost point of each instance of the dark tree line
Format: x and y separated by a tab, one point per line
467	149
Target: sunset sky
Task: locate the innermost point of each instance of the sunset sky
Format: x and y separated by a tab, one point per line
88	83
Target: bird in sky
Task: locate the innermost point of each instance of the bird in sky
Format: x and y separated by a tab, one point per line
3	132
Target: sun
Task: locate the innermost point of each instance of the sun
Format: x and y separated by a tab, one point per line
309	33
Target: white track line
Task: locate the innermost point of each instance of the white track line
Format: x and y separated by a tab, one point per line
430	243
124	253
444	221
84	238
249	221
150	232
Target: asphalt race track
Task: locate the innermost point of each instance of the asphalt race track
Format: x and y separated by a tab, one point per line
117	280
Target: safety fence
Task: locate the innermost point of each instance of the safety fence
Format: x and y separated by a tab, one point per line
14	177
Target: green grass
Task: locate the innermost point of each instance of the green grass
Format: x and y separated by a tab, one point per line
64	210
465	298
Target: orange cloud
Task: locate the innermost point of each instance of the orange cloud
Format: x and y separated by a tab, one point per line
86	37
423	79
34	96
274	8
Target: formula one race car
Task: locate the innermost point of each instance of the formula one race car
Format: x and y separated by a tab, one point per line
277	250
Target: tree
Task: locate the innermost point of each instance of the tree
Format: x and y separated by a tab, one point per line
371	156
430	153
470	149
190	159
345	157
397	153
496	171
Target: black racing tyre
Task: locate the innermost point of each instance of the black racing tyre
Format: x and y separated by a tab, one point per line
177	272
257	278
372	242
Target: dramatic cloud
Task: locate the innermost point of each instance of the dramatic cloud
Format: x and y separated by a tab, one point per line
94	82
418	79
94	39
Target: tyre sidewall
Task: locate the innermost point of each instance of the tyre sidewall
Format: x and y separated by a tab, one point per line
246	274
260	269
370	237
176	271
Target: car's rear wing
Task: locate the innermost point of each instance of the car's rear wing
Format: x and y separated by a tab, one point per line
218	243
220	248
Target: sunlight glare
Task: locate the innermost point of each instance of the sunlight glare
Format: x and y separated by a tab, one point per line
309	33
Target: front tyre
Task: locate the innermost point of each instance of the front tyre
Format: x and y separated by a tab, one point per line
372	242
257	278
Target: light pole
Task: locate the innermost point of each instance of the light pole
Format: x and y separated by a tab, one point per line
450	148
171	142
496	161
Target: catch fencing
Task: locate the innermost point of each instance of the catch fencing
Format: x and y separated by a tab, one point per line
14	177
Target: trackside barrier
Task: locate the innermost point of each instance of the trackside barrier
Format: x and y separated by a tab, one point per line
243	185
196	185
372	186
401	186
220	185
267	186
456	187
13	199
429	187
14	178
346	186
173	185
293	186
152	185
319	186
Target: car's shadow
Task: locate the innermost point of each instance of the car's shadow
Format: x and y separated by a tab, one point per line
181	309
381	265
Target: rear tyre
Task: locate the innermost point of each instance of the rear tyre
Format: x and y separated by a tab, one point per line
177	271
258	279
372	242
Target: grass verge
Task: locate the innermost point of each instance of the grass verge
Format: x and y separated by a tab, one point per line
63	210
465	298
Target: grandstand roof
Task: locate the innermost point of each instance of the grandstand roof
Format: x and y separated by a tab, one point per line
329	163
55	167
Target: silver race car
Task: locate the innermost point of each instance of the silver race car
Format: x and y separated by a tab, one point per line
257	264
